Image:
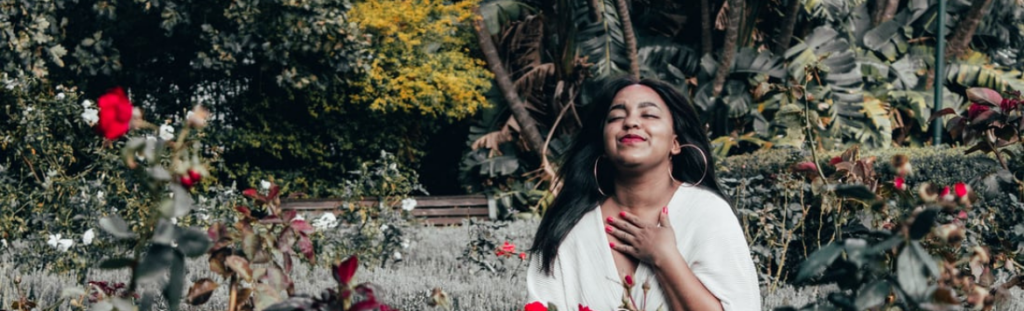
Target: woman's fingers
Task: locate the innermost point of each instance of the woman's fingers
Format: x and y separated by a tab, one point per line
625	249
632	219
622	225
621	234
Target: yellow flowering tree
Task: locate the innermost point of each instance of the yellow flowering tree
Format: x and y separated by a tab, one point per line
420	58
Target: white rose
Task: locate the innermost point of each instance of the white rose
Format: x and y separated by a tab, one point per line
166	132
86	103
265	185
91	116
88	236
409	204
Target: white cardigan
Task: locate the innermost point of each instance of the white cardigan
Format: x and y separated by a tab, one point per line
708	235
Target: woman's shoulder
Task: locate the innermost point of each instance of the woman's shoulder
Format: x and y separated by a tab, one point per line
704	202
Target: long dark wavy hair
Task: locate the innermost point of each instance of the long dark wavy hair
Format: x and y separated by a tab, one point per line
579	189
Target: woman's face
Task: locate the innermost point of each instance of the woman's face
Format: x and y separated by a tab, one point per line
638	131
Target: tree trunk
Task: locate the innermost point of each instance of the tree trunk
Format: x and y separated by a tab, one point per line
786	32
957	45
527	125
706	44
736	8
627	29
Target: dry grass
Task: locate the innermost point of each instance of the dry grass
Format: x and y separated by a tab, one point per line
431	261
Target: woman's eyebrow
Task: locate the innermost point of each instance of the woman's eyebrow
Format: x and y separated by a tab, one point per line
648	104
617	106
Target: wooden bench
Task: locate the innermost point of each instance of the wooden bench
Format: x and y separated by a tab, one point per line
433	210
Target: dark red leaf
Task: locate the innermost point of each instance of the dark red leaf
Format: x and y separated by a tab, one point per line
286	241
251	193
365	290
302	226
343	273
306	246
274	191
288	216
984	95
984	118
244	210
365	305
940	114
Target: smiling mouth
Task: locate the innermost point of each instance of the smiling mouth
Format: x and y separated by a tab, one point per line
631	139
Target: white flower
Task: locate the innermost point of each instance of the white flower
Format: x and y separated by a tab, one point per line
86	103
166	132
88	236
60	244
409	204
398	256
383	227
3	242
265	185
327	221
174	220
405	244
60	96
91	116
99	195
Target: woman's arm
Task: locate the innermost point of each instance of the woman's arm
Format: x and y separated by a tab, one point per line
682	289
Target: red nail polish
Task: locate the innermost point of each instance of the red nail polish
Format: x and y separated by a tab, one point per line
622	214
610	219
608	229
664	210
612	245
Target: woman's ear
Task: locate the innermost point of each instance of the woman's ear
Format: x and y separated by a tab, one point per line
676	147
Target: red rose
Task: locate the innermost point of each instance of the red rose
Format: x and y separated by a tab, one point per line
976	109
584	308
115	114
508	247
535	306
900	183
961	189
522	256
499	252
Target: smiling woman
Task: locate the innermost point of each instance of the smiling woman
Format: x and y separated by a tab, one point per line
640	207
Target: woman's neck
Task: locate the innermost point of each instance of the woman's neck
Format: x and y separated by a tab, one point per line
642	192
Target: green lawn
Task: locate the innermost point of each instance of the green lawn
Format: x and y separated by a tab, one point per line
430	261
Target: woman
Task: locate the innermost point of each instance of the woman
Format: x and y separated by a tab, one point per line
640	211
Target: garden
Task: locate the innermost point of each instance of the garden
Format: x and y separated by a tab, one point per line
871	148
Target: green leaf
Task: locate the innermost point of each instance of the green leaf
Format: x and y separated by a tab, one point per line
872	295
923	223
158	258
165	233
176	285
182	200
116	263
193	242
860	192
818	261
912	271
116	226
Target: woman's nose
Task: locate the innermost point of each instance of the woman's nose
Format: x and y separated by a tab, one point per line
632	120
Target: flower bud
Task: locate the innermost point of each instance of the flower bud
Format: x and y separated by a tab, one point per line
951	234
195	176
186	181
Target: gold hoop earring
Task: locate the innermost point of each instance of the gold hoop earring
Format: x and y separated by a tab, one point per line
702	175
596	180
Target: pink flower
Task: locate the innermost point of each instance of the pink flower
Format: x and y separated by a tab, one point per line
115	114
584	308
962	215
535	306
522	256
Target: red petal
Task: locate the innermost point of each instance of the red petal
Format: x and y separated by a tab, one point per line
343	273
899	183
945	191
629	279
584	308
535	306
961	189
274	190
